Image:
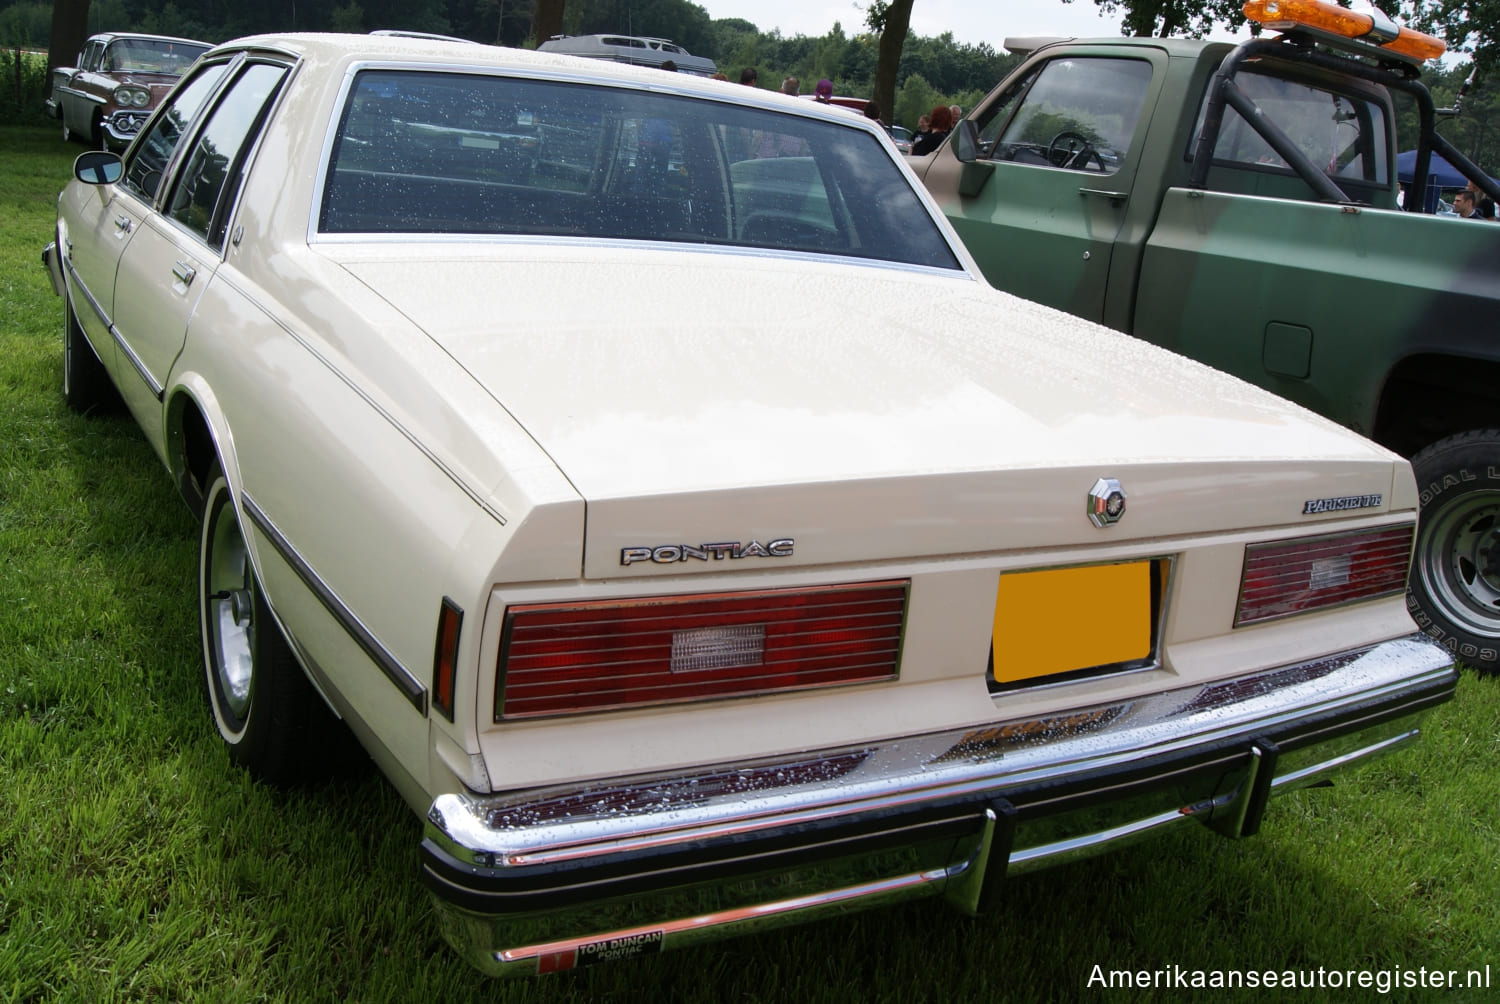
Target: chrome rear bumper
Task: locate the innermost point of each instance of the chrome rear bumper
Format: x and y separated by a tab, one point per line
546	880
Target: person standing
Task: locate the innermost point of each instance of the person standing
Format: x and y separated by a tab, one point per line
791	85
941	119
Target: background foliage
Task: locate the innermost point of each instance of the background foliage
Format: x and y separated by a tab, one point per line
937	70
932	70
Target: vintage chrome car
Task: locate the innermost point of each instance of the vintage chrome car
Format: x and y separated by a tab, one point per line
119	80
631	49
693	539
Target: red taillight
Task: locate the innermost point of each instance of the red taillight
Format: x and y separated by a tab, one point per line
557	658
445	658
1288	577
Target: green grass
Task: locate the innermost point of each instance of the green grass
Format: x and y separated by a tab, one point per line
136	863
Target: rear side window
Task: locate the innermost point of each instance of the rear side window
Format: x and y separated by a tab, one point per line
1343	135
203	191
422	152
1077	113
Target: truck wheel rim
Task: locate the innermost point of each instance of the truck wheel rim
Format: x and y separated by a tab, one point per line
1459	561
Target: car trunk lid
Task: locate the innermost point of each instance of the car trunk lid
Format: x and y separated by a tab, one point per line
710	406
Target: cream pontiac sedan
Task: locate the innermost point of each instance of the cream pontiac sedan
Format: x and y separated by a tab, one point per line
637	466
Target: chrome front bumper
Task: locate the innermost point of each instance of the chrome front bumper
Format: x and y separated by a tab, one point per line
548	880
121	127
53	265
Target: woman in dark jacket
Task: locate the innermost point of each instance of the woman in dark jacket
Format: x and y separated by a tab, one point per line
942	122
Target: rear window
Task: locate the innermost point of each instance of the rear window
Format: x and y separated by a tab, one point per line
1343	134
424	152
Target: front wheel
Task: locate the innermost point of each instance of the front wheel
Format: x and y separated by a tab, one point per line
1454	592
86	383
275	724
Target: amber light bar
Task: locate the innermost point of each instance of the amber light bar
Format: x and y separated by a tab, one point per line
1287	577
1321	15
563	658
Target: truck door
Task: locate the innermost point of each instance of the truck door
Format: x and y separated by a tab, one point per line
1061	145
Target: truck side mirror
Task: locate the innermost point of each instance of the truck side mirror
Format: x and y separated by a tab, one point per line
966	142
974	172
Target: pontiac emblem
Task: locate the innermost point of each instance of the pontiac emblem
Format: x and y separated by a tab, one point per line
1106	502
670	554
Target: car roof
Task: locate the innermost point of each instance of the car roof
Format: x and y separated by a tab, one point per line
114	36
1025	46
346	50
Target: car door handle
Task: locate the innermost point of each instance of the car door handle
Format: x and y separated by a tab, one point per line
183	272
1105	194
123	224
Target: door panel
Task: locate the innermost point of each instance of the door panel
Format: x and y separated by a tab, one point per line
173	257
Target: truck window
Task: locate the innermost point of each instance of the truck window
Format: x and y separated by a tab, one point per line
1343	134
1077	113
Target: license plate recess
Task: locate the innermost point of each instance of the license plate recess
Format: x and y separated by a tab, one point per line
1060	621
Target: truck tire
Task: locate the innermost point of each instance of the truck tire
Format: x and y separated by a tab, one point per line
1454	590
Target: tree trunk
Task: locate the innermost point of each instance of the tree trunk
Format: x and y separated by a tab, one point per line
70	29
892	39
549	19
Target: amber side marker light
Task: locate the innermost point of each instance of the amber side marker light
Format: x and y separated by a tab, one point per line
562	658
445	657
1286	577
1321	15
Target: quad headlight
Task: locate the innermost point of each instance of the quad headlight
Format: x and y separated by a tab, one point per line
127	97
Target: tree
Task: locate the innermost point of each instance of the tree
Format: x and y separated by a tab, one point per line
892	20
70	29
1471	26
1192	18
549	19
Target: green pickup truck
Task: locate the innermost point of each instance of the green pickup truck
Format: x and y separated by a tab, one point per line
1241	205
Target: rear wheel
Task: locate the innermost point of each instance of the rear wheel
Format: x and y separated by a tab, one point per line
86	383
1455	579
275	724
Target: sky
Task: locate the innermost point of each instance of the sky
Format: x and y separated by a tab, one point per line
971	21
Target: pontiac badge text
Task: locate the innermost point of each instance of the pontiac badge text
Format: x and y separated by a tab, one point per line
666	554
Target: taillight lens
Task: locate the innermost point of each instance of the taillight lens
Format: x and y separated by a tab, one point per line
445	657
1287	577
558	658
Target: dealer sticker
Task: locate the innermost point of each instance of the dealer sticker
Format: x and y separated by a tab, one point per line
624	946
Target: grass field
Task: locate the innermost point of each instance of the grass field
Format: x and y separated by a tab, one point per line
137	864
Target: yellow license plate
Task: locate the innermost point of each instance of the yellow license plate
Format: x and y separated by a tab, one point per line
1066	619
